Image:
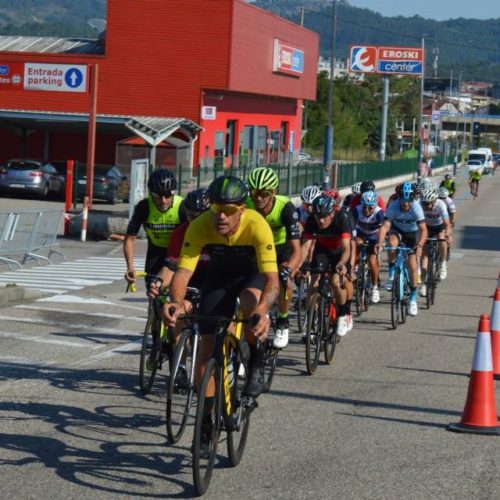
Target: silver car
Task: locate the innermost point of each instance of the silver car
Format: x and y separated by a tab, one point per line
30	177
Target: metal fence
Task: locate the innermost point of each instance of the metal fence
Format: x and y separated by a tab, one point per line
24	233
295	177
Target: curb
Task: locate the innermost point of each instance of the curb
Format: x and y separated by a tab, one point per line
13	295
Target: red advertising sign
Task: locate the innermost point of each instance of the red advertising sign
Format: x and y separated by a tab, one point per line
11	75
287	59
386	60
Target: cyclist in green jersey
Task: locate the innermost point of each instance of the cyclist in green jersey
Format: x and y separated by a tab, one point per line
282	217
474	178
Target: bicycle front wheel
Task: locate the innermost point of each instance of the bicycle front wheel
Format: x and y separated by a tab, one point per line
301	305
238	415
181	386
270	361
430	281
396	296
330	338
314	332
150	354
207	429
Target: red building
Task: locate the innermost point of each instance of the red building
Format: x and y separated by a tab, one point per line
200	79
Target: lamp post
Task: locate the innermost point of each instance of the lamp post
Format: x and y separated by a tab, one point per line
328	151
421	110
455	162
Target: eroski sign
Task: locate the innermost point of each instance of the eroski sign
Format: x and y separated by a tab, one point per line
386	60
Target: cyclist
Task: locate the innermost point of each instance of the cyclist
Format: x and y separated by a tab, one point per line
160	213
438	226
404	222
367	185
450	204
309	193
330	230
474	178
369	218
283	219
449	184
355	191
395	195
351	275
242	264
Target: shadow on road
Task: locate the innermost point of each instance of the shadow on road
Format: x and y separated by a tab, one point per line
480	238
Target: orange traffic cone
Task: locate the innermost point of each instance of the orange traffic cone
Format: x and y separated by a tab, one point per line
480	414
495	334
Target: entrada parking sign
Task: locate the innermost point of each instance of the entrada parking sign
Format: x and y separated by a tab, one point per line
55	77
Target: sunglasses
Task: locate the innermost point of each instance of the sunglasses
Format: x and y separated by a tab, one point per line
218	209
261	193
159	196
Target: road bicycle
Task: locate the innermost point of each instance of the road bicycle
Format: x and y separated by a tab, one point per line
400	294
363	283
181	387
321	323
156	347
474	188
302	283
433	269
230	407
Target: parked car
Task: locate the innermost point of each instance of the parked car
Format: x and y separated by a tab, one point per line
31	177
109	183
302	156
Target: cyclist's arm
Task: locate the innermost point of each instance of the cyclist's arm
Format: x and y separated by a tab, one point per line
383	232
423	233
138	218
290	220
128	252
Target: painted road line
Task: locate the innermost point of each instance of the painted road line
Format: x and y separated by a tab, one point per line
46	340
75	299
132	346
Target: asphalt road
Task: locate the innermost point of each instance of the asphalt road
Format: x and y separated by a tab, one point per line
371	426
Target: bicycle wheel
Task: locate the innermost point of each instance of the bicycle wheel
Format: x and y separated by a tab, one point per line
396	299
329	333
405	296
207	426
238	420
430	283
301	305
270	360
435	275
181	386
150	354
367	289
314	332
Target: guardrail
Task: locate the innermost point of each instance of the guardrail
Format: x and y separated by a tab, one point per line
24	233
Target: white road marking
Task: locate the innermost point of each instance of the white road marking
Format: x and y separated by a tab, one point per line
110	353
45	340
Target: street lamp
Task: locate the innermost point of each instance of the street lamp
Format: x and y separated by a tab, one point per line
421	109
328	151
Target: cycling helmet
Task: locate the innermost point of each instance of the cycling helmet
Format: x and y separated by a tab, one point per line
407	192
162	181
227	189
447	176
443	192
323	205
263	178
334	195
309	193
197	200
369	199
367	186
356	188
429	195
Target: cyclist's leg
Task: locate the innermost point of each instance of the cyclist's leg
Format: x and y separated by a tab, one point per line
283	253
374	264
424	265
393	239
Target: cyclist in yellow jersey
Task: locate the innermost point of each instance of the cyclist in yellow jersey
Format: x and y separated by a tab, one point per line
242	264
474	178
282	217
160	213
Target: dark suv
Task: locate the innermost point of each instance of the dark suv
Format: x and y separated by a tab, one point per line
30	177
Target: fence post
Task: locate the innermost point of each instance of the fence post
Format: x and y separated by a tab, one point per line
68	195
179	179
289	178
335	173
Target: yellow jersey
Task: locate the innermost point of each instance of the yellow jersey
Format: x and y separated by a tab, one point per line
250	247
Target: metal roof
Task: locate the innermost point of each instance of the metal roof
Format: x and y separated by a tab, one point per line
51	45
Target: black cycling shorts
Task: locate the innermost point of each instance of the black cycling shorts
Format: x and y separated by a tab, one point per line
371	243
433	231
324	259
220	291
283	253
408	239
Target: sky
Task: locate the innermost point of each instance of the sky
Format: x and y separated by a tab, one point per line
438	10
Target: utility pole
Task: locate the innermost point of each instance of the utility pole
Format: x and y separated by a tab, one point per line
328	151
421	111
385	109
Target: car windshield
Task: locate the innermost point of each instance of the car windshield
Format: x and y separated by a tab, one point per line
23	165
477	157
474	162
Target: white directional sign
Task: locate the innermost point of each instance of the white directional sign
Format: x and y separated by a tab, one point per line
55	77
436	117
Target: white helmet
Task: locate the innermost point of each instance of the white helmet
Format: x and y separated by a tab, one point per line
309	193
356	188
429	195
443	192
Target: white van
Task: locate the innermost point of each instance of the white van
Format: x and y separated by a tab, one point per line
474	157
488	166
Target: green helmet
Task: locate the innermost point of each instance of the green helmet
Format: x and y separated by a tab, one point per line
227	189
263	178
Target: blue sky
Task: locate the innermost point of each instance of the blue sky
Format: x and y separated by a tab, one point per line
433	9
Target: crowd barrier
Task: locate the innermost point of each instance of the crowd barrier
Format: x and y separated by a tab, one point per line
24	234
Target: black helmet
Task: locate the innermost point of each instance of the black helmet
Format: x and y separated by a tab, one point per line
227	189
197	200
323	205
367	186
162	181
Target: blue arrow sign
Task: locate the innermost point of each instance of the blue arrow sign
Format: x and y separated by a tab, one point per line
73	78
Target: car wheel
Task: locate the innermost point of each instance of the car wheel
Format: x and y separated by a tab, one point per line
45	191
113	199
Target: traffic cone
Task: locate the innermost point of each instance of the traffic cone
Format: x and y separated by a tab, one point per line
480	414
495	334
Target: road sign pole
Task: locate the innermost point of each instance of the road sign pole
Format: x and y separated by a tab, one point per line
385	109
